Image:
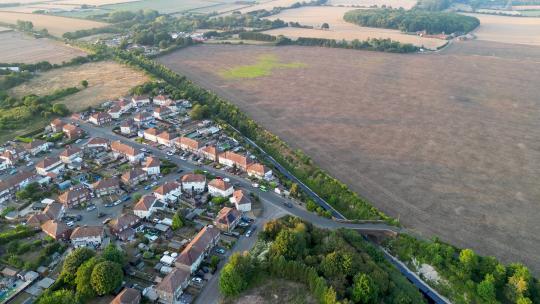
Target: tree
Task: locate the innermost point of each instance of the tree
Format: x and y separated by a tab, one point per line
73	261
84	83
199	112
486	289
236	275
62	296
177	221
289	244
294	190
60	109
106	277
325	26
364	290
114	254
469	261
84	288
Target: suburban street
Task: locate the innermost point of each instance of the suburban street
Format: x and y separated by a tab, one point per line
274	206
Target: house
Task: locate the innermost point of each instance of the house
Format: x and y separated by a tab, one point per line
145	206
151	134
50	165
232	159
260	171
227	219
191	257
188	144
12	155
142	117
54	211
219	187
193	182
134	176
124	105
140	100
165	138
115	112
162	112
70	154
100	118
161	100
131	153
151	166
36	220
98	143
106	186
122	227
128	127
10	185
168	192
127	296
210	152
241	201
74	196
56	229
85	236
72	132
37	146
57	125
171	287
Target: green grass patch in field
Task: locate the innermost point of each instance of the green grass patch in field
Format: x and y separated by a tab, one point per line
264	66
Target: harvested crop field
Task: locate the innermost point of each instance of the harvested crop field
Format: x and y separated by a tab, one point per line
406	4
508	29
56	26
446	142
18	47
340	29
106	80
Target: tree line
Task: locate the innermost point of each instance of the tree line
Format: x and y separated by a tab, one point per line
413	20
372	44
336	266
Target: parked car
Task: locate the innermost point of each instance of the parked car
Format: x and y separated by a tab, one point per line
70	224
106	221
118	202
248	233
108	205
197	280
220	251
147	188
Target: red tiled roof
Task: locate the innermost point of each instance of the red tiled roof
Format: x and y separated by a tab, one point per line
145	203
167	187
46	162
193	178
192	143
173	280
86	231
119	147
219	184
152	162
241	197
127	296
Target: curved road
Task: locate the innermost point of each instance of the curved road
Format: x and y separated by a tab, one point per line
210	293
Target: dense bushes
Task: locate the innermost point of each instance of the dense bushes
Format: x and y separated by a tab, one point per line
334	265
382	45
256	36
472	278
413	20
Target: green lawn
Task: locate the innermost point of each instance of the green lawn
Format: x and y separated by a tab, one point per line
162	6
263	67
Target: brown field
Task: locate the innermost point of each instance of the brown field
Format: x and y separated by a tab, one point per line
93	2
406	4
446	142
54	24
107	80
339	29
18	47
507	29
267	5
38	6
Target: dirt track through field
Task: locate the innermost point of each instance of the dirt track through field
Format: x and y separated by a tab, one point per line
447	143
